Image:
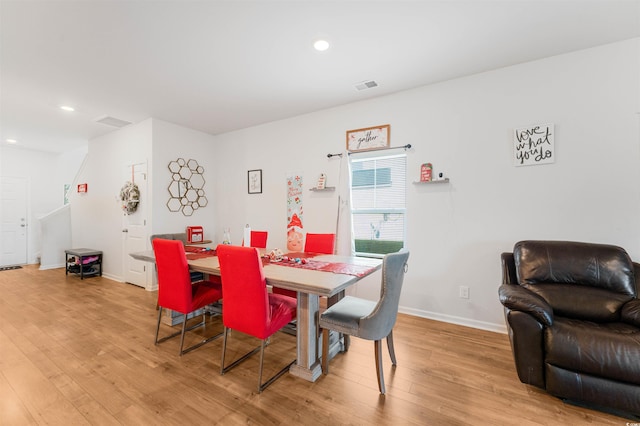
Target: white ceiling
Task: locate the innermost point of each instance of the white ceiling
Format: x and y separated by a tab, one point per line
218	66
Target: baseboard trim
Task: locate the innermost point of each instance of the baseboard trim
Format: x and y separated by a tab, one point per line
150	287
56	266
481	325
112	277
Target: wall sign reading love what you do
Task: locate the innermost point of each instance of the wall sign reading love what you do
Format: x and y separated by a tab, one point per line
534	145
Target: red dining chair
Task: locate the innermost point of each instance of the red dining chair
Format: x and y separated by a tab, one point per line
259	239
248	307
177	293
314	243
319	243
195	276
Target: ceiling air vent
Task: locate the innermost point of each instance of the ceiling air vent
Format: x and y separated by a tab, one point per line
112	121
367	84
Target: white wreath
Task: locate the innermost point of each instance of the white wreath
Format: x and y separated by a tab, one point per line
130	197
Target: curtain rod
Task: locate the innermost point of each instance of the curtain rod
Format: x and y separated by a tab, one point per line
407	146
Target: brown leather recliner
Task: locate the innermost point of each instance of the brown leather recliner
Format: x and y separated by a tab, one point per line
573	319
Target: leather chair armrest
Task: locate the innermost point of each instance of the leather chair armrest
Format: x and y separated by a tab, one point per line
520	299
631	312
509	275
526	334
636	272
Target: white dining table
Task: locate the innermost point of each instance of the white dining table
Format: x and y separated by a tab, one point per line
310	285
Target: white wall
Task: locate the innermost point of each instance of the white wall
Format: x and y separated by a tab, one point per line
171	142
55	233
464	127
46	174
96	217
298	145
68	164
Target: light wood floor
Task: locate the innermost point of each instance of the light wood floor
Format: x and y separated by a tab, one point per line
78	352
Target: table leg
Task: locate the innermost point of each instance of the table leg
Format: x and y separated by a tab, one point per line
307	365
338	341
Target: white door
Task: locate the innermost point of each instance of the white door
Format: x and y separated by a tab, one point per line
13	221
134	230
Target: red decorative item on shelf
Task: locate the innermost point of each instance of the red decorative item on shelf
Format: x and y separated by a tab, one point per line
425	172
195	234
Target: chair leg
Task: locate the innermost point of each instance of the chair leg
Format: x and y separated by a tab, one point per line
224	349
347	341
325	351
182	332
172	335
392	352
202	342
184	326
262	345
263	386
159	318
224	369
379	371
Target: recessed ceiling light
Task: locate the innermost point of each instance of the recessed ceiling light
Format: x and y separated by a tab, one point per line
321	45
67	108
12	141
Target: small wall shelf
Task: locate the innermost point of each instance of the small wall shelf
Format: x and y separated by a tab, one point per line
326	188
445	180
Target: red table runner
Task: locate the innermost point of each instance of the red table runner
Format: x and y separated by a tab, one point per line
317	265
194	253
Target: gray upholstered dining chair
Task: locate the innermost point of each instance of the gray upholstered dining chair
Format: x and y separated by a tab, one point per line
366	319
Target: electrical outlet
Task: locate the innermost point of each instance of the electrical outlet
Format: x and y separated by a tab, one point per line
464	292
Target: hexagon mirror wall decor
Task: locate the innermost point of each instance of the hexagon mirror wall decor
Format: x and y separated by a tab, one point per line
186	188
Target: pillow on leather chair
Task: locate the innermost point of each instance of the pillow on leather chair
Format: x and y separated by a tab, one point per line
581	302
578	280
590	265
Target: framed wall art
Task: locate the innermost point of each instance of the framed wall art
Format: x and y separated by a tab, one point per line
534	145
368	138
186	188
254	181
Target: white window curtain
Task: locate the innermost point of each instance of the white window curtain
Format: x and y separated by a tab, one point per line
344	230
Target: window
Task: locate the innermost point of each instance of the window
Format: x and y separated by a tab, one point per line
378	202
371	177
